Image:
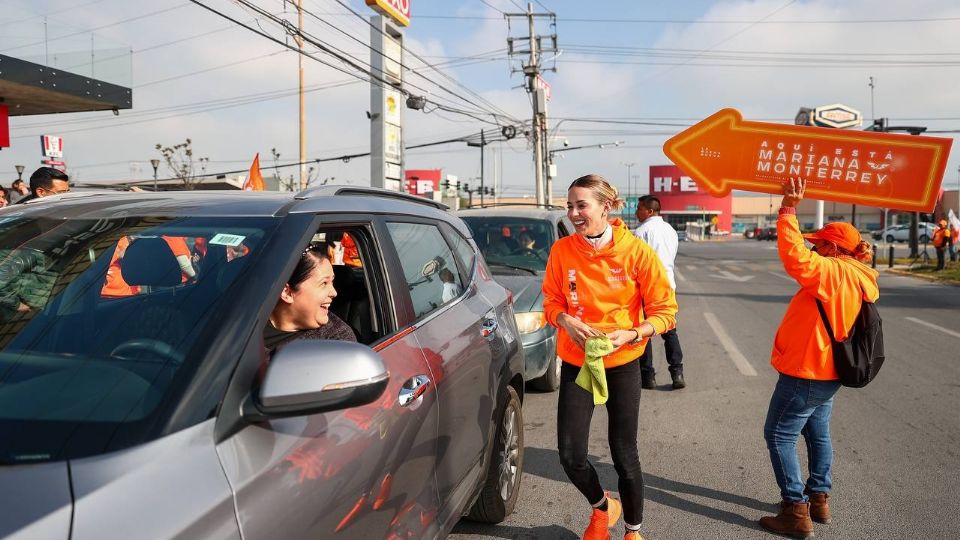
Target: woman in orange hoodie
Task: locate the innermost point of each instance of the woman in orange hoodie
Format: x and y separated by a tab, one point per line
604	281
835	274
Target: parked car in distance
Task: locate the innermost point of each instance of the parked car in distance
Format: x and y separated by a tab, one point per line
141	402
767	233
901	233
515	241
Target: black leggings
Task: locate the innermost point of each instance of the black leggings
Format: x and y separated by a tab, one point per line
574	412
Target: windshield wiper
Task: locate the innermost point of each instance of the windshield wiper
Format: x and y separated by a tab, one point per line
515	267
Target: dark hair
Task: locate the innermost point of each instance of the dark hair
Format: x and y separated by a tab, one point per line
649	202
312	256
16	183
44	177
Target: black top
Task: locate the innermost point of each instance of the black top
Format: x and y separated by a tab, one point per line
334	329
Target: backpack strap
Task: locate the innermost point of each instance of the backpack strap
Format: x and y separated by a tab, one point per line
823	317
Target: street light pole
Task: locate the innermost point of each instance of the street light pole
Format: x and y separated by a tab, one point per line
19	171
155	163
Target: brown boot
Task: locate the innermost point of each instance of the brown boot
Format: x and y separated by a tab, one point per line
793	520
819	507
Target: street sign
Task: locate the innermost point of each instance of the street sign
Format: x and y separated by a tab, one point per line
837	116
398	10
886	170
51	146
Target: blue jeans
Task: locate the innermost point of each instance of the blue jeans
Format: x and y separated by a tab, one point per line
800	406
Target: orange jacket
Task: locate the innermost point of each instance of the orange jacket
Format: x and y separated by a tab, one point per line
802	347
618	286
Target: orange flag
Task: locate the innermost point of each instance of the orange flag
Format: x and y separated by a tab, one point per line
254	180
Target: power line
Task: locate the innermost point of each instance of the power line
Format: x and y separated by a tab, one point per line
726	39
438	71
402	65
598	20
345	158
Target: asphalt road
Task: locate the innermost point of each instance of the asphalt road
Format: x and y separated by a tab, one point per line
706	467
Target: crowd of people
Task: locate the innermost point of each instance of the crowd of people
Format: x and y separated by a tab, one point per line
608	281
605	281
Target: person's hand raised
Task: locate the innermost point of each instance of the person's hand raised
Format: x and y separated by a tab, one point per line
793	192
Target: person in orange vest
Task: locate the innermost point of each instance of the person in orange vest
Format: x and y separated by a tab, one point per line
942	239
604	281
833	272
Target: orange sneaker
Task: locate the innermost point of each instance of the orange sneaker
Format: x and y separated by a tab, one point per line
632	535
601	521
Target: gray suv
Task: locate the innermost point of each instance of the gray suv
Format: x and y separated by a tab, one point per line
137	399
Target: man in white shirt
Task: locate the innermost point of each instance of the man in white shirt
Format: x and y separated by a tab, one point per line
663	239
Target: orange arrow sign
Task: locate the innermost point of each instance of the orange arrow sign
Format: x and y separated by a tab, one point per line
886	170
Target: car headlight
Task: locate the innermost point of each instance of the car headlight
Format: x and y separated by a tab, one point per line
530	322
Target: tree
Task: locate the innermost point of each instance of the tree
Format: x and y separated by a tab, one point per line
179	159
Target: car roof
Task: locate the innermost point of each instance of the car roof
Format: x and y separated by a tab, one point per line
527	211
218	203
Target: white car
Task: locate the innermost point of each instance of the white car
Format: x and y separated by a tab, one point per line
901	233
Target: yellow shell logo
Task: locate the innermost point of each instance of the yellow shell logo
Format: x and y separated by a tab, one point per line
391	105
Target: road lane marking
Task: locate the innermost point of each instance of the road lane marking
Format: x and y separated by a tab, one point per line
727	275
782	276
691	267
934	326
735	268
739	360
678	275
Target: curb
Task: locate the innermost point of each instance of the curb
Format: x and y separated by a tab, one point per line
924	277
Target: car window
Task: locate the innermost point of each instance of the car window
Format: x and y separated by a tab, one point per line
79	366
464	251
561	230
428	265
512	242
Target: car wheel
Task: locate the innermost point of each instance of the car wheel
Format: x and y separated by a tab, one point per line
549	381
502	485
890	239
924	239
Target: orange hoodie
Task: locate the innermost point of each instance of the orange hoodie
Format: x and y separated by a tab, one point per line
802	347
609	289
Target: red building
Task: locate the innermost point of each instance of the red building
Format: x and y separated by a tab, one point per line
682	200
422	181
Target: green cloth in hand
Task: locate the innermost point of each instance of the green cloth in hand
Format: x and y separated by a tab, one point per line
592	377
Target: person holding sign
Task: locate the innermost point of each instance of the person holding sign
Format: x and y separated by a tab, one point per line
604	281
942	239
833	273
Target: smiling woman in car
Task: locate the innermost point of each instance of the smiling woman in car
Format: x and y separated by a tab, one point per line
604	281
303	309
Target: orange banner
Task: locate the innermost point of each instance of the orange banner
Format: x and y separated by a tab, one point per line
886	170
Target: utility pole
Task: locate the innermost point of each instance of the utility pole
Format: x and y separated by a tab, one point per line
532	69
303	133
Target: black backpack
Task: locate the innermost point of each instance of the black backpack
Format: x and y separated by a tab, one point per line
859	357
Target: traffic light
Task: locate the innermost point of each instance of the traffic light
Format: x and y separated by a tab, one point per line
493	192
466	187
445	184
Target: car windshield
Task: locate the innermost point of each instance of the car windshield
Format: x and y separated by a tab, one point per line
512	241
99	319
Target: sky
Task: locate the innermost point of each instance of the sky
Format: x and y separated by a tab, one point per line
627	71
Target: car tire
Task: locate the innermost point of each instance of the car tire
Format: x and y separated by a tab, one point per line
890	239
549	381
501	489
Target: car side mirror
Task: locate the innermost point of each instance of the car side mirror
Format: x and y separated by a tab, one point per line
314	376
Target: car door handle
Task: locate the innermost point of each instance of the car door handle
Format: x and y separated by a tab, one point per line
413	389
488	327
